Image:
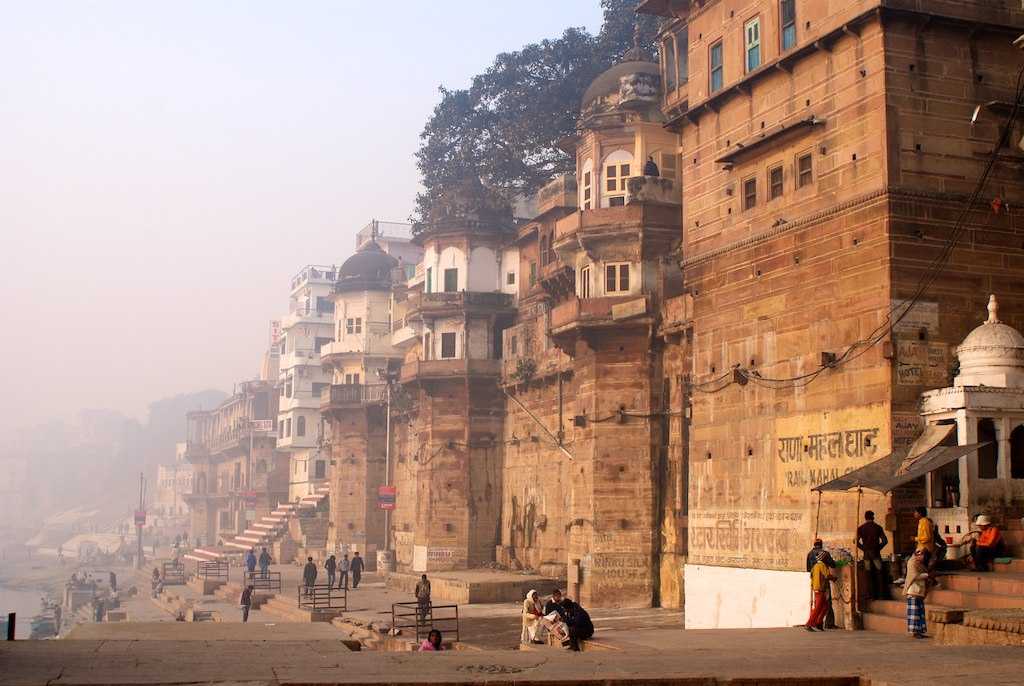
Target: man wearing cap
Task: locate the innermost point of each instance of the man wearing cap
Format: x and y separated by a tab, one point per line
820	578
986	545
816	552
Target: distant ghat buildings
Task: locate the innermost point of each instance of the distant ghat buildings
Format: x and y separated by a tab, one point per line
636	388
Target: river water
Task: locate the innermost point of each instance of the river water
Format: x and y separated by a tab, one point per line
25	603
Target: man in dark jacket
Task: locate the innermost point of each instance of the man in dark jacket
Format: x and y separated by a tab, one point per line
264	563
309	575
246	603
356	568
555	604
578	621
331	566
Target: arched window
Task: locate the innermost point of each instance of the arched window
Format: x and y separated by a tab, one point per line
988	455
617	167
300	426
587	187
1017	453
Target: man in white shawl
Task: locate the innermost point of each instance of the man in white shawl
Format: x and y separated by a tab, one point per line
533	614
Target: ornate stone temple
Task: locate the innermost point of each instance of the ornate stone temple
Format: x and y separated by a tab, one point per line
985	404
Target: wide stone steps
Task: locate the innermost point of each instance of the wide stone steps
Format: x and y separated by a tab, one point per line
1012	567
968	591
1005	583
285	609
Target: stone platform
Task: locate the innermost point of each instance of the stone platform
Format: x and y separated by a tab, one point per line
475	585
766	657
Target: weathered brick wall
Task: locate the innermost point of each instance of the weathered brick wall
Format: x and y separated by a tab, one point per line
357	450
612	482
776	285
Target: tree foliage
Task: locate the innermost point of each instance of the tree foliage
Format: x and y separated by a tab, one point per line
506	127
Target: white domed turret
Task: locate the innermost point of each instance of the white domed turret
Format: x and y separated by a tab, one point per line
992	354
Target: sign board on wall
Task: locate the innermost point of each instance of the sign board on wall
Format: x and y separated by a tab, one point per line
275	336
759	512
906	427
923	315
386	496
922	363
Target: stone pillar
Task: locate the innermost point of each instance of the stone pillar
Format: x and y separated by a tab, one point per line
967	432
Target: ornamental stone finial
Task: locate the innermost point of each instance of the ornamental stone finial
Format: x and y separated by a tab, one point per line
993	310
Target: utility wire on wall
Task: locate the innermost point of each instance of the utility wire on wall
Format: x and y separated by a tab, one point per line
740	375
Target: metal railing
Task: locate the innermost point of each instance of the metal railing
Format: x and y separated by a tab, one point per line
173	573
444	618
260	581
322	597
216	570
353	394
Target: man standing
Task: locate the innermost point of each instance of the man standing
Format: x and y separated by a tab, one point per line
820	578
331	566
309	575
925	538
871	539
357	569
816	552
264	563
423	597
343	572
246	603
250	563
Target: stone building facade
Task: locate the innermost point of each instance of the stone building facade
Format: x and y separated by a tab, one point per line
827	156
238	474
354	407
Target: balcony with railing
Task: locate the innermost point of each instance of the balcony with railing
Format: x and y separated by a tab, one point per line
306	315
441	304
299	358
580	313
235	437
314	274
427	370
351	396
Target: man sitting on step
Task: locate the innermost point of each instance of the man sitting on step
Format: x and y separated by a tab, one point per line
986	544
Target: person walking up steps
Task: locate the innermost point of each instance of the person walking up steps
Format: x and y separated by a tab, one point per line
264	563
343	572
357	569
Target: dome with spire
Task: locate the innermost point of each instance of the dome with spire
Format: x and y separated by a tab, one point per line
369	269
992	354
633	83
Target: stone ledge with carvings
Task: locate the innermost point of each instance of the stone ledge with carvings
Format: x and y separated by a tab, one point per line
971	397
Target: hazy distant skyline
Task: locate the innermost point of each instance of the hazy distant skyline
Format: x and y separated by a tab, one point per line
168	166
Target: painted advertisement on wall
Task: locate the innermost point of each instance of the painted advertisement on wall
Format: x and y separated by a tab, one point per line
760	512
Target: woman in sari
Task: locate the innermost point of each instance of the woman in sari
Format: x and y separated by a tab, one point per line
532	618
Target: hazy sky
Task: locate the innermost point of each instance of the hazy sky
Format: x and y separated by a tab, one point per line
165	167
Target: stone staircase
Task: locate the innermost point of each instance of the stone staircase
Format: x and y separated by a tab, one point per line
961	590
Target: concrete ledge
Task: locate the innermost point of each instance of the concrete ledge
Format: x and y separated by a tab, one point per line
204	586
474	586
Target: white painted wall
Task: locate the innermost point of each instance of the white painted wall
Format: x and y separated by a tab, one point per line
736	598
484	271
509	264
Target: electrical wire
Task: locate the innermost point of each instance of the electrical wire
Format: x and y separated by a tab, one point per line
935	268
